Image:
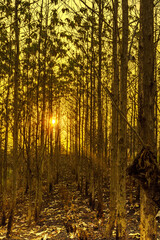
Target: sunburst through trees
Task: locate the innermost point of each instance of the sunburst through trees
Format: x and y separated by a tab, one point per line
78	88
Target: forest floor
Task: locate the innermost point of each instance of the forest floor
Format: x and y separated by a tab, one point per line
66	215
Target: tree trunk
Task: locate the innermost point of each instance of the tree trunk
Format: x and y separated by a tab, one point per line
5	156
38	200
50	160
114	144
122	146
1	158
92	109
146	108
57	142
76	137
79	136
15	124
100	133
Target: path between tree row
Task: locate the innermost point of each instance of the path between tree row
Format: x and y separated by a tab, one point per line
65	215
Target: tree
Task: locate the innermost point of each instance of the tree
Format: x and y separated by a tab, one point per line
15	125
146	108
92	112
9	72
99	95
122	143
114	144
39	152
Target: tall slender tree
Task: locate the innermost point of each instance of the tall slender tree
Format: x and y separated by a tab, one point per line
15	110
5	155
99	89
122	144
38	156
146	108
92	111
114	146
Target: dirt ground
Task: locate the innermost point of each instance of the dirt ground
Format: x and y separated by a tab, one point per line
66	215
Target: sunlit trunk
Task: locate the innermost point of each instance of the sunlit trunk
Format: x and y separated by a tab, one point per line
28	136
79	136
57	142
51	127
122	144
38	200
92	121
114	143
100	133
76	136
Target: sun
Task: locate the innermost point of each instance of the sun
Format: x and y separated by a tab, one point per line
53	121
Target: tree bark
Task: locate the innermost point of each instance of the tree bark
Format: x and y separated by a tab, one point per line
38	200
15	124
122	146
114	144
100	133
146	108
92	110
